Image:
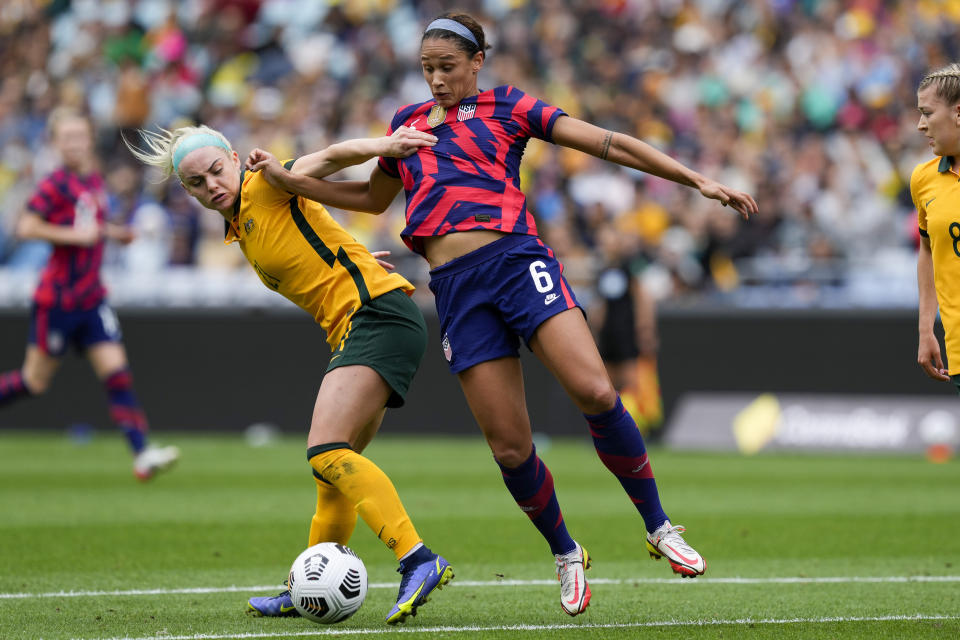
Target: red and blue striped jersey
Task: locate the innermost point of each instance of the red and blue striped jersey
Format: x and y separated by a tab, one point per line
71	279
471	178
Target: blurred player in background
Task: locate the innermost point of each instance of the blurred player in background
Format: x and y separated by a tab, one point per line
68	209
936	194
376	332
496	282
624	319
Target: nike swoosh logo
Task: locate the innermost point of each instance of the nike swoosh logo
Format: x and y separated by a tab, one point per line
285	609
576	591
680	555
929	201
645	463
335	357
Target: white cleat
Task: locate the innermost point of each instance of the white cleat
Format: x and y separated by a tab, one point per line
574	590
667	542
153	459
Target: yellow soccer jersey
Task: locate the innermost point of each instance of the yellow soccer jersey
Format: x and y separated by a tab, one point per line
935	190
301	252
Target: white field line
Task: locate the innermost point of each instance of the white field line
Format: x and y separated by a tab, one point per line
314	633
504	583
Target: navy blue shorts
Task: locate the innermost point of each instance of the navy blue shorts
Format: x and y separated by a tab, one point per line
53	330
489	299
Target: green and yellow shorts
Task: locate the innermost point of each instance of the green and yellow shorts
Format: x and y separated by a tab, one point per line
389	335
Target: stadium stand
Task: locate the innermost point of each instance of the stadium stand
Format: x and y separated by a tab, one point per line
808	105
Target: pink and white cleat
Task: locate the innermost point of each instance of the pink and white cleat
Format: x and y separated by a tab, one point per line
667	542
151	460
574	590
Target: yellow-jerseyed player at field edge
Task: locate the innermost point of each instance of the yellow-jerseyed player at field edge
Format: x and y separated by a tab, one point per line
935	189
376	331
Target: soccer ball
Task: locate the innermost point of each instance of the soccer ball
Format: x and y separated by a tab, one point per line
328	583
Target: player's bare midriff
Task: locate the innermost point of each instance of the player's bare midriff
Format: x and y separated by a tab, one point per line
442	249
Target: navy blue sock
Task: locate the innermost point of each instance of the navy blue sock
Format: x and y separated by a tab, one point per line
531	485
418	557
12	387
125	410
620	447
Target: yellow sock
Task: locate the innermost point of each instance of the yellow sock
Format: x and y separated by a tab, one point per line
370	491
335	518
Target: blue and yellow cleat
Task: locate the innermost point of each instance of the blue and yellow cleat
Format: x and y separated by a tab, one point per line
422	573
279	606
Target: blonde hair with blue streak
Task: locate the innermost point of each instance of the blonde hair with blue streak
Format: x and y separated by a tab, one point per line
166	149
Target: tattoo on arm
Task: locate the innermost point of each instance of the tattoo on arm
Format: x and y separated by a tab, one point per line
605	145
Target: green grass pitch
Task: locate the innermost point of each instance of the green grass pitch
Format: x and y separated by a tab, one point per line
797	546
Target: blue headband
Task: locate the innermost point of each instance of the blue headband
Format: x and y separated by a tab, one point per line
193	142
446	24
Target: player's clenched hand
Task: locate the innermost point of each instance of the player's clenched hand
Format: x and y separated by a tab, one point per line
405	141
265	162
383	263
120	233
742	202
260	160
929	358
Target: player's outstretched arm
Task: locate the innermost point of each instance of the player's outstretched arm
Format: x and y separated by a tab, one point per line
631	152
371	196
31	226
928	352
403	142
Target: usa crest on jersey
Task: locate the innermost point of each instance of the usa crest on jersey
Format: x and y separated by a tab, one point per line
466	111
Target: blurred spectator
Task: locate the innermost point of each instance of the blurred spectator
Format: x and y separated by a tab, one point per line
809	105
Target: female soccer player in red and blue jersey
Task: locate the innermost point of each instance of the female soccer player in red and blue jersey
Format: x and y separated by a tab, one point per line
68	210
496	282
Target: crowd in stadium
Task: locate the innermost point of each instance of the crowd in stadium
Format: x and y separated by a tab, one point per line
809	105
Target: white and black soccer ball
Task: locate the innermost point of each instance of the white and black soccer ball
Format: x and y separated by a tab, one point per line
328	582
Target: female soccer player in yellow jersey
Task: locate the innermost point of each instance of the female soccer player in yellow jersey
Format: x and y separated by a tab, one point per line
496	283
935	189
375	330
